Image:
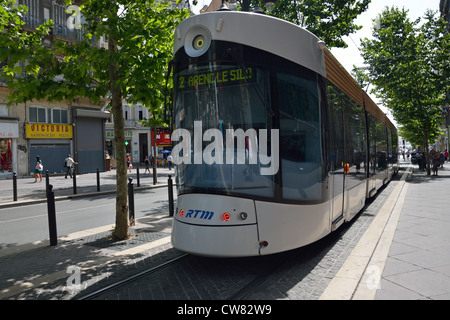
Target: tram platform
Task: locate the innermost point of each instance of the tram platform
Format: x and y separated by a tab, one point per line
403	255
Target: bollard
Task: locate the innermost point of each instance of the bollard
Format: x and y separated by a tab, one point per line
15	186
47	180
137	176
74	179
154	176
169	183
131	201
98	180
51	216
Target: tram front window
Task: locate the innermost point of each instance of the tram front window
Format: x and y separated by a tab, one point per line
226	99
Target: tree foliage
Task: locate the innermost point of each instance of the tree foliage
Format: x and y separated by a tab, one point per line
409	66
123	54
330	20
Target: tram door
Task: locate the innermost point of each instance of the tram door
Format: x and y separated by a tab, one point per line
337	159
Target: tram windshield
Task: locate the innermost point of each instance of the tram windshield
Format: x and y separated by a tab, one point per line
272	108
236	102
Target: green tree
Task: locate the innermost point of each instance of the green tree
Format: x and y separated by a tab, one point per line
410	67
132	66
330	20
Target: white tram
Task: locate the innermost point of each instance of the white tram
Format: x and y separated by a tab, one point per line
276	145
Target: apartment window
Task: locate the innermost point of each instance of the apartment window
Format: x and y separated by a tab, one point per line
3	110
59	116
37	114
48	115
126	112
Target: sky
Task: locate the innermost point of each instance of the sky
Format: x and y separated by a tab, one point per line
351	56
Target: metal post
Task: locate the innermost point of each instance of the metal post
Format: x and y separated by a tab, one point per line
98	180
137	176
47	180
51	216
169	183
15	186
131	201
154	174
74	175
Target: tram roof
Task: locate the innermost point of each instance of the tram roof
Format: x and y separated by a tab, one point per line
259	31
338	75
254	29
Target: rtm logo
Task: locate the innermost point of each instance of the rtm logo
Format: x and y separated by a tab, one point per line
201	214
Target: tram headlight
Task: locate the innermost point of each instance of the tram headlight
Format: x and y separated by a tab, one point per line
197	41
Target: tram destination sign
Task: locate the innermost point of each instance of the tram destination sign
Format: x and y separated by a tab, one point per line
229	76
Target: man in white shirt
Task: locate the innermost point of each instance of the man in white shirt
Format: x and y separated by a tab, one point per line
169	160
69	163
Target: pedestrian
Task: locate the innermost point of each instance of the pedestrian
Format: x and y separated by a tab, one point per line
419	159
129	165
169	160
436	163
68	163
441	159
446	155
147	164
38	169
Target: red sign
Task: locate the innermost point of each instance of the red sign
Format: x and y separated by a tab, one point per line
162	138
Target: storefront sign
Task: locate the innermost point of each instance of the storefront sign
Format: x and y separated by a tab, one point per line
9	130
48	131
163	139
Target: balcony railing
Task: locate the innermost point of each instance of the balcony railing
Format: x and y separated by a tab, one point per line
57	30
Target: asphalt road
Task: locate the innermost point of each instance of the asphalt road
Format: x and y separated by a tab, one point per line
25	224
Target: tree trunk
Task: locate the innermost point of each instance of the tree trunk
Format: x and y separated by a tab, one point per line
121	228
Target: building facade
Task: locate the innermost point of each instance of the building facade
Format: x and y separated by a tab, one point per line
139	139
51	130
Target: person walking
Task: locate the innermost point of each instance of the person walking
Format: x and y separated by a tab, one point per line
129	164
38	169
147	164
68	162
169	160
441	159
436	163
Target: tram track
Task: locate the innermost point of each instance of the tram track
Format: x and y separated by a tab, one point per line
258	280
133	277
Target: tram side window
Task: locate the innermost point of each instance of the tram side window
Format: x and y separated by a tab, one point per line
382	147
300	147
389	147
394	147
355	140
372	144
337	144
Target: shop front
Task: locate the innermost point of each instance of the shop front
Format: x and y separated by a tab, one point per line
9	133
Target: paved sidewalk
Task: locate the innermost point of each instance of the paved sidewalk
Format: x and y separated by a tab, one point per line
87	259
405	252
418	263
